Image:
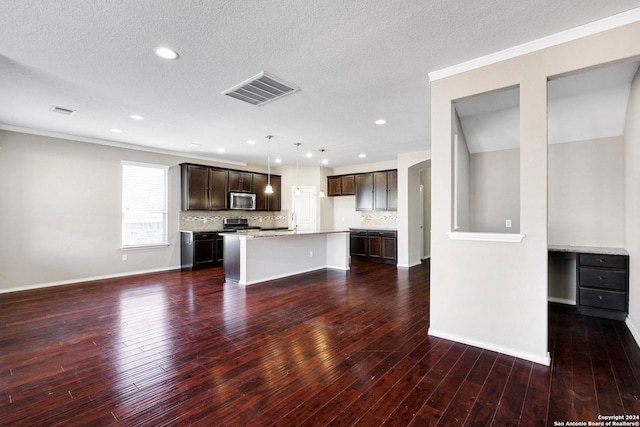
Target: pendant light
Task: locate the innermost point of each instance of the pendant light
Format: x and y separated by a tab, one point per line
297	191
269	189
321	193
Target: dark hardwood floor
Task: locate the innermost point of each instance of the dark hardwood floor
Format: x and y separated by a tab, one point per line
324	348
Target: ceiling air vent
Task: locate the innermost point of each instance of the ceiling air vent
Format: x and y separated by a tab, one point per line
261	89
60	110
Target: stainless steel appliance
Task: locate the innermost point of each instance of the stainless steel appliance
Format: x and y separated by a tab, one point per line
243	201
237	224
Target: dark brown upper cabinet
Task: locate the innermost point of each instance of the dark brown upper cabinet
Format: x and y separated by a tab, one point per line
341	185
334	186
241	181
267	202
203	188
364	192
392	190
377	191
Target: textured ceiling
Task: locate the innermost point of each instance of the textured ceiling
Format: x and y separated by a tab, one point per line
354	62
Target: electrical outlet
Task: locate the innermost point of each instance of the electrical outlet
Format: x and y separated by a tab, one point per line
310	253
507	223
125	257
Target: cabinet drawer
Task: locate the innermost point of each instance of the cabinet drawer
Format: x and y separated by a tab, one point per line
602	278
610	300
388	234
204	236
606	261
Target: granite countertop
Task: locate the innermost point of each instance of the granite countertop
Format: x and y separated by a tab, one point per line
251	234
588	250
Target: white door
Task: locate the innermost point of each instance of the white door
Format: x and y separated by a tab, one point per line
304	208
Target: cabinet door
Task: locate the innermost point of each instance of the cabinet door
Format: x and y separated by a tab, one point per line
358	244
392	190
204	252
380	191
195	187
375	247
364	192
334	186
348	183
240	181
218	180
389	249
274	200
219	250
259	185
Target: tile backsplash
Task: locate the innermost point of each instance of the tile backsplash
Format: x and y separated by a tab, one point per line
212	220
379	219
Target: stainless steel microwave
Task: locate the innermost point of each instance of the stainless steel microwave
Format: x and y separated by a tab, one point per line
243	201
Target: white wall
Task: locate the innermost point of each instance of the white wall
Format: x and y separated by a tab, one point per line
60	202
632	207
494	294
425	181
586	193
461	179
495	191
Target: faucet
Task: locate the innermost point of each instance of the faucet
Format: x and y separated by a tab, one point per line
294	221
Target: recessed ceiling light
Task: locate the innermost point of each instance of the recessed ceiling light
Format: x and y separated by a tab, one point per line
381	121
116	131
166	53
325	161
193	145
308	155
136	117
278	160
251	141
220	150
362	156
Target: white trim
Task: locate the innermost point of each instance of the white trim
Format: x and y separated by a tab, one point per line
508	351
564	301
144	165
142	247
124	145
85	279
486	237
243	282
633	330
585	30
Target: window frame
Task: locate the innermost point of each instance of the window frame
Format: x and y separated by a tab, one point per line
165	243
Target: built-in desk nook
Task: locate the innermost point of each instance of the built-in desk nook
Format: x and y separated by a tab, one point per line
601	278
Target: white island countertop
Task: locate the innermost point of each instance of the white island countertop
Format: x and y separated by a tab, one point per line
255	256
250	234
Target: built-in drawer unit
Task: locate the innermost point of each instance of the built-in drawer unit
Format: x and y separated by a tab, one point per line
374	245
602	285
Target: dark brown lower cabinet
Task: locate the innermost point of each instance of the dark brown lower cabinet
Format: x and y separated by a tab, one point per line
200	250
602	285
374	245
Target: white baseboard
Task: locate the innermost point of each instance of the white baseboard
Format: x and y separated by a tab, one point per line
633	330
84	279
544	360
561	300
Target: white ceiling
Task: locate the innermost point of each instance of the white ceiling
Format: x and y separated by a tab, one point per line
354	62
586	105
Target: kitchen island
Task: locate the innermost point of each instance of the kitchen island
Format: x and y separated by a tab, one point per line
257	256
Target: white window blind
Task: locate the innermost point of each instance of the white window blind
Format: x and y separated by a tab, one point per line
144	204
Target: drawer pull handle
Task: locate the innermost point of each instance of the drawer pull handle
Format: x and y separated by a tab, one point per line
600	260
600	297
600	278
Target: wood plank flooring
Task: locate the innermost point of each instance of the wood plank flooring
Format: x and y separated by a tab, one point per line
327	348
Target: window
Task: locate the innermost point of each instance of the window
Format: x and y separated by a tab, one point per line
144	204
